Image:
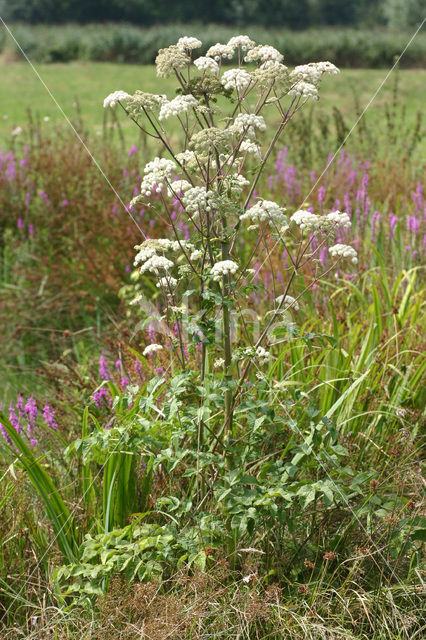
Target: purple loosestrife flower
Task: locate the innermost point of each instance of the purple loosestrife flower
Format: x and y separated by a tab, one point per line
5	436
413	224
103	368
99	395
321	195
125	381
31	411
20	405
118	363
14	421
27	198
31	229
323	255
49	417
65	203
133	149
20	224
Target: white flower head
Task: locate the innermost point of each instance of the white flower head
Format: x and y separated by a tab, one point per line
326	67
220	52
17	131
223	268
188	42
167	283
152	348
157	173
250	147
287	302
180	104
115	97
266	211
206	64
198	199
177	187
238	79
338	219
218	363
243	42
246	121
304	90
155	263
263	53
306	220
344	251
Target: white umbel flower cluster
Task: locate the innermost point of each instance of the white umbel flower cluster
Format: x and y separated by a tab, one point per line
238	79
223	268
260	354
266	211
113	99
236	183
218	363
326	67
250	147
178	186
243	42
338	219
245	121
198	199
220	52
313	71
304	90
156	264
188	42
206	64
166	283
308	221
185	157
343	251
152	348
264	53
180	104
287	302
157	172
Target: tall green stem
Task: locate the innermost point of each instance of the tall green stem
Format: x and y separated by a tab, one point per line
227	347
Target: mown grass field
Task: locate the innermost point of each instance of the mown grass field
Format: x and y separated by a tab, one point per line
89	83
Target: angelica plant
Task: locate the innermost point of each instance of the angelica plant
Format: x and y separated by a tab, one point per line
223	114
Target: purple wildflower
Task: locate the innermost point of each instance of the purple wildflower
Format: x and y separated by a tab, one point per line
103	368
49	416
98	395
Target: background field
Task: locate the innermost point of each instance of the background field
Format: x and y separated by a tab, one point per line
89	83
